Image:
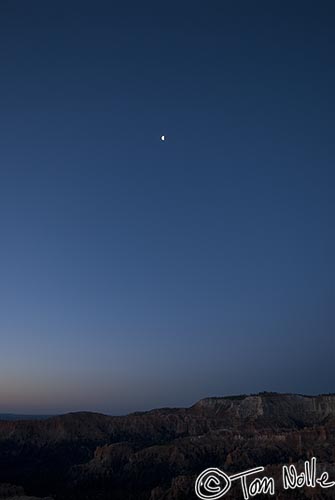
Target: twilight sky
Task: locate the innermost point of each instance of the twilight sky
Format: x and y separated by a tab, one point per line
136	273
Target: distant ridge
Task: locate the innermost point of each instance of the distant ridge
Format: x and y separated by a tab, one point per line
18	416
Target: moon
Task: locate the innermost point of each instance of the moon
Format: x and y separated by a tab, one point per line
162	137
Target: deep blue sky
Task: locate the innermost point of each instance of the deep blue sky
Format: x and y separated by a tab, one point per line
136	273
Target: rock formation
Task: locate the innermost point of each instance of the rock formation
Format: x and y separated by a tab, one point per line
158	454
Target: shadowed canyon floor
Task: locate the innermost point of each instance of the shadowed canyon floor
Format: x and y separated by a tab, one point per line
157	455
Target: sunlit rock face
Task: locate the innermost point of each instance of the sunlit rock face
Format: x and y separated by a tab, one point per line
158	454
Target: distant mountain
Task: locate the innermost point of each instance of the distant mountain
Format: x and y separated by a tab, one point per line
157	455
15	416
